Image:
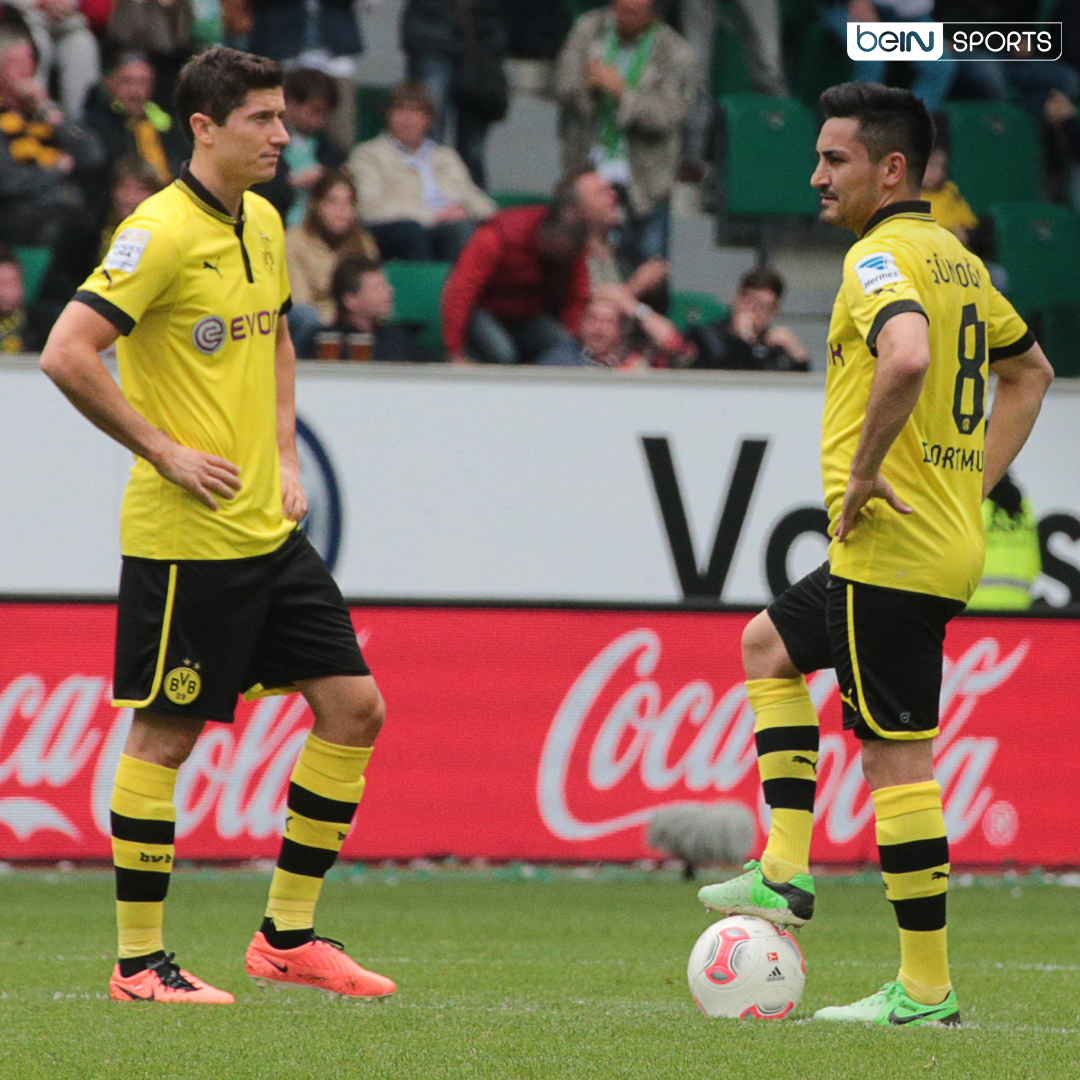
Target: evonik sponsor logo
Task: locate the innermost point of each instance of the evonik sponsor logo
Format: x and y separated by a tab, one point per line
971	41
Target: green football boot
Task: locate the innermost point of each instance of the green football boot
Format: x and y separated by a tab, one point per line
790	903
891	1005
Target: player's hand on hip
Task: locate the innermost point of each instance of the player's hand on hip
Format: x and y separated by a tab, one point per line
293	499
203	475
858	494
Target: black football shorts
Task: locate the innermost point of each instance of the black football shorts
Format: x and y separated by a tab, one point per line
192	635
885	644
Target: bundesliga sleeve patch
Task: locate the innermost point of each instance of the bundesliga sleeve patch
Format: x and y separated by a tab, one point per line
877	270
127	249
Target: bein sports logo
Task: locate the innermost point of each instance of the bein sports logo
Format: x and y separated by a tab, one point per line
966	41
322	525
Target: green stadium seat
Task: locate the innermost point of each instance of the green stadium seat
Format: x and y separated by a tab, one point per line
370	111
770	156
34	263
507	200
1038	244
1058	332
690	309
994	153
417	294
814	57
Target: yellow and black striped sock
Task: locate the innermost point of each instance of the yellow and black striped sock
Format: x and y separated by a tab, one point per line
915	865
786	733
324	790
143	827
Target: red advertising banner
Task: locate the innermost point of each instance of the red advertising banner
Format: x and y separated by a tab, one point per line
539	734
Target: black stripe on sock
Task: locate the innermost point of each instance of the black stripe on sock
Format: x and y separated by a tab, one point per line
921	912
308	861
914	855
141	886
789	793
774	739
142	830
317	808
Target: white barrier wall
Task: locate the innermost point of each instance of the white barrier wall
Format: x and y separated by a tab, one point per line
445	483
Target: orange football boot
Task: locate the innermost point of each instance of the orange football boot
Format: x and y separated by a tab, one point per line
320	963
165	981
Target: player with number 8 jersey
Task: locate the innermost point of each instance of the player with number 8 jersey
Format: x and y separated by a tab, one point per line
906	462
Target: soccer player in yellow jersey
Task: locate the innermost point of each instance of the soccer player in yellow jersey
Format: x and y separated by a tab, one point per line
220	592
906	463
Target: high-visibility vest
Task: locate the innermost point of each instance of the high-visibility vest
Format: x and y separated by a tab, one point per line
1013	561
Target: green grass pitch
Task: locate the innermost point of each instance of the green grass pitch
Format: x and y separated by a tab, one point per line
538	974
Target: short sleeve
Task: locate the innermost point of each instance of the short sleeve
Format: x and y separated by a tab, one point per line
1006	333
138	268
878	286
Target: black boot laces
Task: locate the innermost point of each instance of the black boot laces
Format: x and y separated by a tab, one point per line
169	973
330	941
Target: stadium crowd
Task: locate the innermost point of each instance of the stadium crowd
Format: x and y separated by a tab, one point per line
581	278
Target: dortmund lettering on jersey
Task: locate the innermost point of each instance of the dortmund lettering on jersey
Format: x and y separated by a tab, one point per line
904	262
197	297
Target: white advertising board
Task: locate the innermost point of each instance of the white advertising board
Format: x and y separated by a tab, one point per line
464	484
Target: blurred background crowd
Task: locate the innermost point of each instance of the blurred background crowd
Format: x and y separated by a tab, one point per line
400	245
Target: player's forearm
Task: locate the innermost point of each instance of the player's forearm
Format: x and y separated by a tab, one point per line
85	382
1016	407
894	394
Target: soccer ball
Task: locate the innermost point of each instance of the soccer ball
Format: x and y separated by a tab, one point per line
746	967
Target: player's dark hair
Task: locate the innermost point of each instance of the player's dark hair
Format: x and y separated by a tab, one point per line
217	81
311	84
349	274
891	121
763	277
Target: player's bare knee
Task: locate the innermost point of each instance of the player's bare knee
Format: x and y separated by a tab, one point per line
763	652
365	716
162	740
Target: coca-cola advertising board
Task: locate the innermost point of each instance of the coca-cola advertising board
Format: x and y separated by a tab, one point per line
540	734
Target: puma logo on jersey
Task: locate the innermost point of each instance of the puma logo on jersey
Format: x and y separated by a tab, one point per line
805	761
212	266
846	699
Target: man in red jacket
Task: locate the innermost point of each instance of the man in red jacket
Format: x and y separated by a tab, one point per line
521	283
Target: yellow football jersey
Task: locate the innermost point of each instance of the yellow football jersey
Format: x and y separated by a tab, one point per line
905	262
197	296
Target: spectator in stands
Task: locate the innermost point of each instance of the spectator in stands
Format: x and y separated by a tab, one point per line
364	302
127	122
67	49
40	151
603	215
624	81
619	331
992	79
330	233
457	49
933	79
1013	555
749	340
416	196
324	34
521	283
20	328
310	97
760	26
950	209
161	31
1060	115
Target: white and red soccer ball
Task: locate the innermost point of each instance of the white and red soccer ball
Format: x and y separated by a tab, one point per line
746	967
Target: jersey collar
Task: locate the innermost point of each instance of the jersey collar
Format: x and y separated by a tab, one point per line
203	198
908	206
